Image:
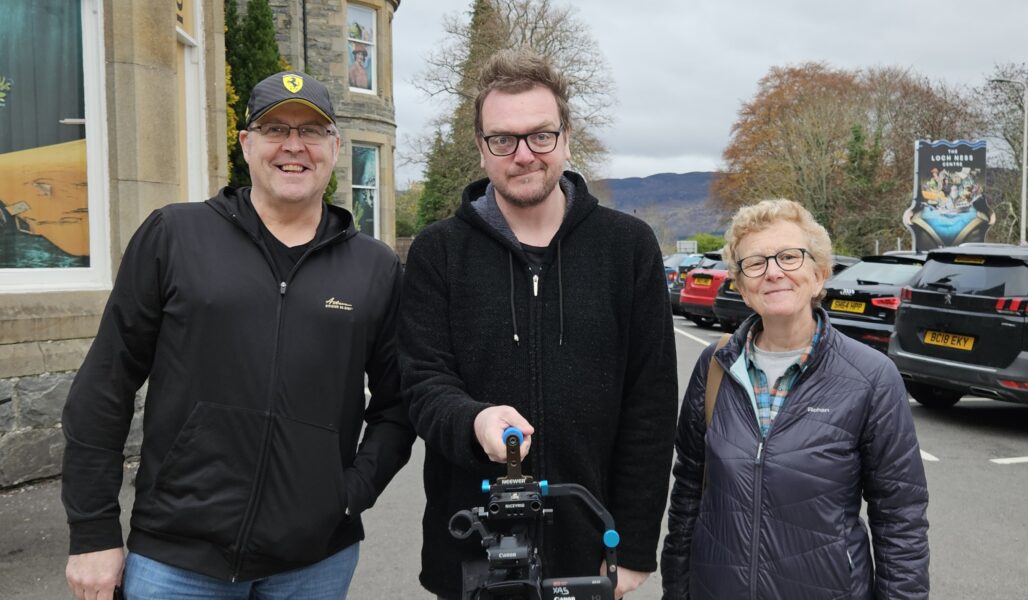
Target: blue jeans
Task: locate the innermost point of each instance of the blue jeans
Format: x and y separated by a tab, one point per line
147	579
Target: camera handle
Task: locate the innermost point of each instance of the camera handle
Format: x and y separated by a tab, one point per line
512	439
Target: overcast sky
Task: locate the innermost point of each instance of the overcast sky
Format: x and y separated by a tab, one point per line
681	68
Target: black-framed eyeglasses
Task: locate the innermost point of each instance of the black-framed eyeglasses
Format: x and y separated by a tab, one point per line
789	259
539	142
278	132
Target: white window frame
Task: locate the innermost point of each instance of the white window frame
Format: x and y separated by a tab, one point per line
372	48
377	212
97	276
196	99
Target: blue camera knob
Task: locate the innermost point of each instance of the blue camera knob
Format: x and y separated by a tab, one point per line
513	431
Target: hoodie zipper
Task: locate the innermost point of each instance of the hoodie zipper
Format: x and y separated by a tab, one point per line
250	514
536	401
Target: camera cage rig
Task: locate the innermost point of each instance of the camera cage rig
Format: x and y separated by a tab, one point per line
512	563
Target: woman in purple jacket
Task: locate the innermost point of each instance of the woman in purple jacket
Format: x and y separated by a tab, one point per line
807	422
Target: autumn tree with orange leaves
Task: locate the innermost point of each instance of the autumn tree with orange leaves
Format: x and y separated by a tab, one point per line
841	143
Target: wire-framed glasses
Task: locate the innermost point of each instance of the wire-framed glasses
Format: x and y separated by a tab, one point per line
278	132
789	259
505	144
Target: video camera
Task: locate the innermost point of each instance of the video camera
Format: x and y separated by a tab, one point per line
512	569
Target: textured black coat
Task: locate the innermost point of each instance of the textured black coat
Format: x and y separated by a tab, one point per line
787	524
602	400
255	401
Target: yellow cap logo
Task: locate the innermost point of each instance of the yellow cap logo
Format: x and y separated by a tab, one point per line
293	83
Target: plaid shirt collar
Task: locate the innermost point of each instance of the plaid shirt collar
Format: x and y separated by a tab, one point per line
770	399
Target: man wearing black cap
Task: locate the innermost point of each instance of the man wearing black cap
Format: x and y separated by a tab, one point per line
256	316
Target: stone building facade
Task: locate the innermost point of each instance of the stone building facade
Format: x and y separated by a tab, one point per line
326	38
145	127
141	123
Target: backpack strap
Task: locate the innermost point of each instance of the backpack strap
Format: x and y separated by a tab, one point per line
714	375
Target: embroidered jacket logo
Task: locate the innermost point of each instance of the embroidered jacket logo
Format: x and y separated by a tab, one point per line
338	304
811	409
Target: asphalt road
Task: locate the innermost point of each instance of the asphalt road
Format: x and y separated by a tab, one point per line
978	533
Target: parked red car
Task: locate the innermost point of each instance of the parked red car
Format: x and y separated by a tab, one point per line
696	301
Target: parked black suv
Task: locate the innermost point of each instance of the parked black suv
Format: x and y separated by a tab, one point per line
729	307
862	300
962	326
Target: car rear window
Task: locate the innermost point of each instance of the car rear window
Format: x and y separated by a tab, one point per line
710	263
880	272
975	275
677	261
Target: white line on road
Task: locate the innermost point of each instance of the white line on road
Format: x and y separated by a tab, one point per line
1009	461
928	457
963	400
693	337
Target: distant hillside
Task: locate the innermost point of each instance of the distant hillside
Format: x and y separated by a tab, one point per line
674	204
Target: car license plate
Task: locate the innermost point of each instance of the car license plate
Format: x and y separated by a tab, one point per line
702	281
948	340
848	306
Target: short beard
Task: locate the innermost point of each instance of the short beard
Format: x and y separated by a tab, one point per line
529	201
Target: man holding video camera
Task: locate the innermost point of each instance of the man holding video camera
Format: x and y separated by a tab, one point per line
537	308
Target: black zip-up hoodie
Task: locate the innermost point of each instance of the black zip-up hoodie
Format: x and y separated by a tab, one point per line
255	402
582	347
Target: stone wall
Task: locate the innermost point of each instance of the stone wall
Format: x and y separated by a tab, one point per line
31	438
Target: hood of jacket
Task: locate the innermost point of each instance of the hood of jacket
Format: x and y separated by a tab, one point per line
579	204
235	205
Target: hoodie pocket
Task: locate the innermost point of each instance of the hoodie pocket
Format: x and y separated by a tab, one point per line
203	485
302	513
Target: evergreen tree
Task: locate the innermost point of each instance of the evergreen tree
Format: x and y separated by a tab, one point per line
252	53
454	161
437	197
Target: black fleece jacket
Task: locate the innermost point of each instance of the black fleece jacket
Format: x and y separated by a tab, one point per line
255	402
592	368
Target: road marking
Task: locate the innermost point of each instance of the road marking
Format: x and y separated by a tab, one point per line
693	337
963	400
1009	461
928	457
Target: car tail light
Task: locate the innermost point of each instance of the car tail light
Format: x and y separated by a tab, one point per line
873	337
889	302
1014	385
1013	305
906	294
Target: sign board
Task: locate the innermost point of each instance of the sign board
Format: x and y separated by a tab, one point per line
686	246
949	205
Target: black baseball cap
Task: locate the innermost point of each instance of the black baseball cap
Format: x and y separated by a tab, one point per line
288	86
